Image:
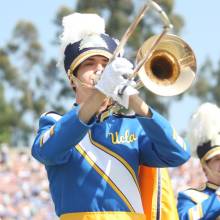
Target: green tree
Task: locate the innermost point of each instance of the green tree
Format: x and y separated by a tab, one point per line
16	59
7	119
34	84
207	85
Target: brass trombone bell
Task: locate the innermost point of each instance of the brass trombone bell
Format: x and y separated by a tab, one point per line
170	68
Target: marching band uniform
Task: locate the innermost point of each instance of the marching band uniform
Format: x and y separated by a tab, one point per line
93	168
201	203
204	135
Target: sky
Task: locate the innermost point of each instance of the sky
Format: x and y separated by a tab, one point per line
201	32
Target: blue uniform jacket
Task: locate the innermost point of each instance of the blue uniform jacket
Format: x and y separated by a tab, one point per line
94	167
202	203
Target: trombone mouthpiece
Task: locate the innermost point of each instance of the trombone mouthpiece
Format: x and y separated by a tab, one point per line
97	77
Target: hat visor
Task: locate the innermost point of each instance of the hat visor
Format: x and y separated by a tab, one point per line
85	55
211	153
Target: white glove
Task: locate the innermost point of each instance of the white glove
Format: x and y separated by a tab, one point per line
114	80
123	91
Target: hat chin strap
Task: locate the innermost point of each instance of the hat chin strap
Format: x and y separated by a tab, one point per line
86	85
77	81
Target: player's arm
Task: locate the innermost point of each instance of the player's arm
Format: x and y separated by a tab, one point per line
57	135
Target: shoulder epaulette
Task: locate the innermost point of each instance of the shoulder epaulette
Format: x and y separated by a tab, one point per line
56	116
196	195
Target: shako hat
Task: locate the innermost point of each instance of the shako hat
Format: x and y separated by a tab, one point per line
84	36
204	131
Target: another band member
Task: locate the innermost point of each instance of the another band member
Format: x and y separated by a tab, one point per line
204	135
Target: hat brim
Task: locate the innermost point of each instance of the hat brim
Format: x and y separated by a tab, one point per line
211	153
85	55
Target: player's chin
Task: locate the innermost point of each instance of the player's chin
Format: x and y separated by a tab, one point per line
105	102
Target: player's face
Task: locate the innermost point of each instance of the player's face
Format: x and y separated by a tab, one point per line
214	165
88	70
87	73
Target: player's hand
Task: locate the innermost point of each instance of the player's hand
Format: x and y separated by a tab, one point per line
115	83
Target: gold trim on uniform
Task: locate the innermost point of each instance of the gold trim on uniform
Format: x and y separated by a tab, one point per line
52	130
195	212
212	186
191	214
49	133
41	140
155	198
200	210
103	216
104	115
196	196
201	187
105	177
124	162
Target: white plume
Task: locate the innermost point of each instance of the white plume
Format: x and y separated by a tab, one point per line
77	25
204	125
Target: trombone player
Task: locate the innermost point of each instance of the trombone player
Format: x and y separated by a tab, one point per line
92	154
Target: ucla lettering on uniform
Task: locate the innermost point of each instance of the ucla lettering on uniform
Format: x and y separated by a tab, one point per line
127	137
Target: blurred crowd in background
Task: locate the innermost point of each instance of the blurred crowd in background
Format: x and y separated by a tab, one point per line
24	191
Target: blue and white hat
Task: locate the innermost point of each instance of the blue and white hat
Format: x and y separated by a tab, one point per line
204	131
84	36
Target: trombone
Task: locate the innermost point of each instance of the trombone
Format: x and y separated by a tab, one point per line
166	64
